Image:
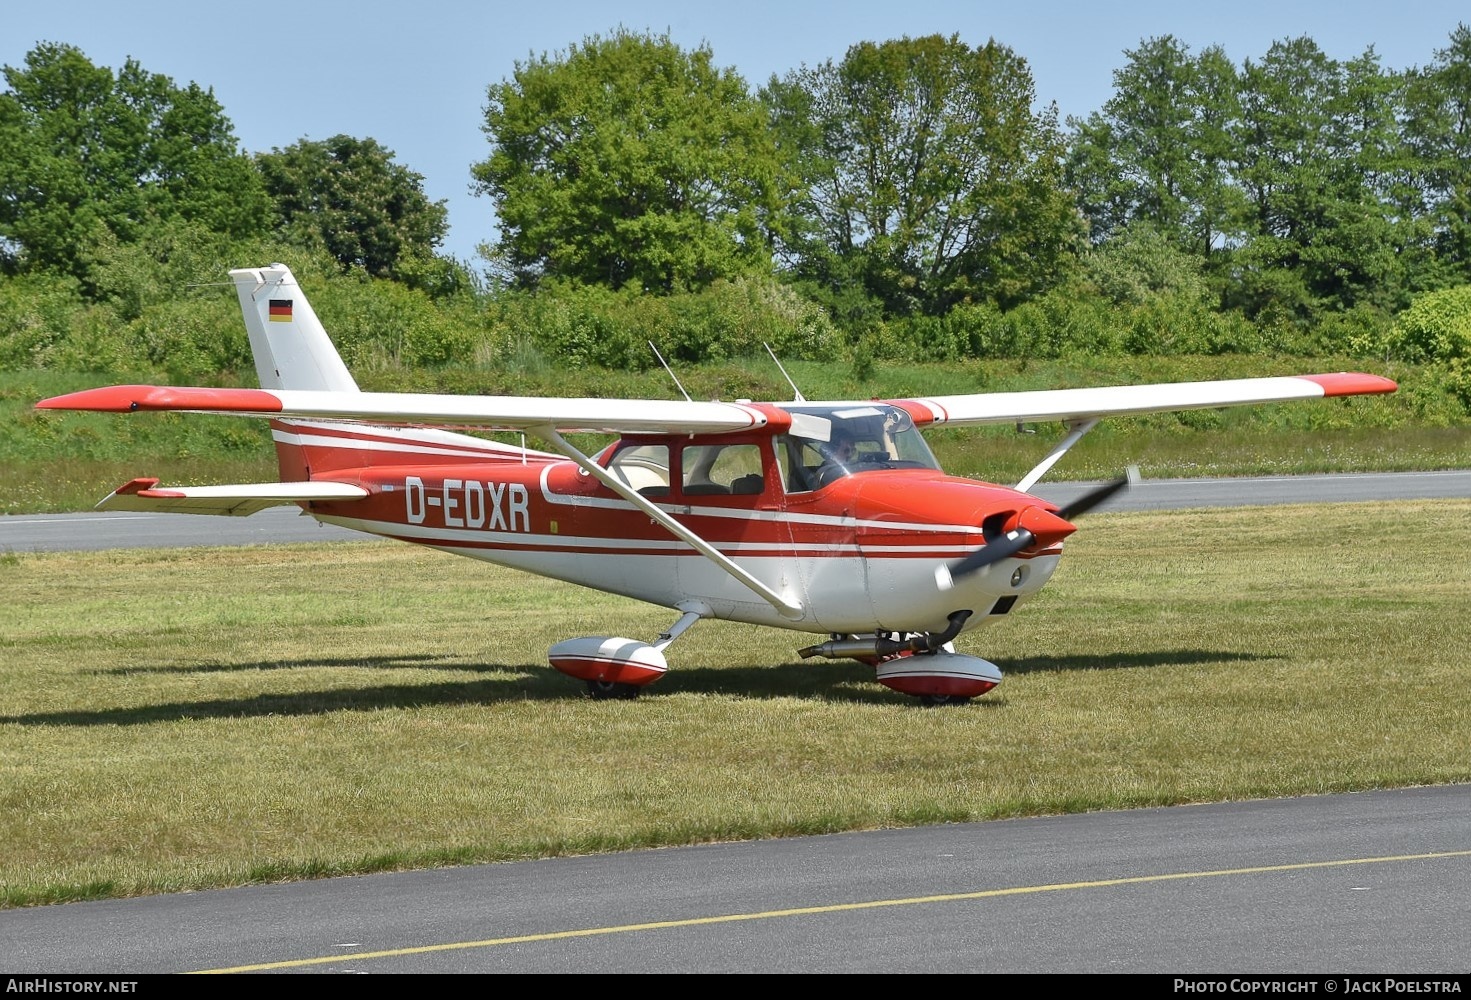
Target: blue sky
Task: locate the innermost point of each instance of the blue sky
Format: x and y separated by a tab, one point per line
414	75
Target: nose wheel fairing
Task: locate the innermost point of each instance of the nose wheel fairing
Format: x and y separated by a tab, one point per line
940	676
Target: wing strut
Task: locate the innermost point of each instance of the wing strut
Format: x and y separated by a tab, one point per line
788	610
1076	430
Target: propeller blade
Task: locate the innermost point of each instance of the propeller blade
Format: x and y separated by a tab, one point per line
993	551
1091	499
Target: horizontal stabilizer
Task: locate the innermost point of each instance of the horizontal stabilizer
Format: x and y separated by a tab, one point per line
233	501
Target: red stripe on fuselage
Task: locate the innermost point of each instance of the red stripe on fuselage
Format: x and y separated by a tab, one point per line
553	507
330	450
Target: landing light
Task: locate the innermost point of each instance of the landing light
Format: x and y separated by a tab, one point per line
1018	575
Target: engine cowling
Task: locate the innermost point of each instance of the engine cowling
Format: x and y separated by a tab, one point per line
952	675
609	659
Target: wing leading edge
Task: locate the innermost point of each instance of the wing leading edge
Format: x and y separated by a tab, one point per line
660	416
1073	405
507	413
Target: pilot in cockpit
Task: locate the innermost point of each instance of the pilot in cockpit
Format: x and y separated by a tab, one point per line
837	457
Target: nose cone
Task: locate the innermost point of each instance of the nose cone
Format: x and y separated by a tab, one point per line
1046	527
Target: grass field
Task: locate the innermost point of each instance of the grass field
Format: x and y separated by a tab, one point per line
192	718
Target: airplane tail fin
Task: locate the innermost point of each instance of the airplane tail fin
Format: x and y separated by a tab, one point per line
291	350
320	456
291	347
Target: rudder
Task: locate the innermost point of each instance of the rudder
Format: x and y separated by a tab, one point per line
290	345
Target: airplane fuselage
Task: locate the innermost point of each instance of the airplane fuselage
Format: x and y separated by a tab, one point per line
858	555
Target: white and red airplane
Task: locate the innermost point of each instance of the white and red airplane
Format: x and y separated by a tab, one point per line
829	518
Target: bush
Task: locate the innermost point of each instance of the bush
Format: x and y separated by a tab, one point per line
378	323
193	340
1458	380
1064	322
578	326
1140	264
36	313
1436	327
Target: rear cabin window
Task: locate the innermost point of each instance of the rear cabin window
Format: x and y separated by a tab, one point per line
721	470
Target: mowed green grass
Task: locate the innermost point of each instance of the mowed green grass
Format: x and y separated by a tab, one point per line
193	718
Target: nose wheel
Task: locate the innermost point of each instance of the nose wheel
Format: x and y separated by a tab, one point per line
611	691
937	700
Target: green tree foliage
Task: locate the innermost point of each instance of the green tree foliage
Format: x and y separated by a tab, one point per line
1438	127
1315	140
85	153
627	161
1436	327
930	178
1160	150
1291	178
348	196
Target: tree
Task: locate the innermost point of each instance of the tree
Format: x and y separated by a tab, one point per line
929	174
1438	126
1317	140
629	161
348	195
83	151
1159	152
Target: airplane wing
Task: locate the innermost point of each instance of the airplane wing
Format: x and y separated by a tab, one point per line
234	501
616	416
1073	405
506	413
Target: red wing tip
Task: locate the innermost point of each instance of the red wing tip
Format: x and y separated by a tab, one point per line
1352	383
135	486
108	399
127	398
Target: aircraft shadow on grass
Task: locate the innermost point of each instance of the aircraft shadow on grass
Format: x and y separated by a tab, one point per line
1124	661
830	681
406	661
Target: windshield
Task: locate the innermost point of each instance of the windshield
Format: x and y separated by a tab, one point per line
827	443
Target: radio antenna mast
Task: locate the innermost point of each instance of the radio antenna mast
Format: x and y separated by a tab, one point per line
797	396
670	371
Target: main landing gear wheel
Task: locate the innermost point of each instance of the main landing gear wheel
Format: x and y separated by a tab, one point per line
936	700
612	690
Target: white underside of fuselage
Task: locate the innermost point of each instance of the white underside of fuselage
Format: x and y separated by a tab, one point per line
839	588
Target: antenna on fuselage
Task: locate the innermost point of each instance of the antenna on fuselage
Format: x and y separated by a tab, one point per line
797	396
670	371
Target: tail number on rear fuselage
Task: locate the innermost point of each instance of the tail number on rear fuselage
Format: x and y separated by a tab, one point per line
467	503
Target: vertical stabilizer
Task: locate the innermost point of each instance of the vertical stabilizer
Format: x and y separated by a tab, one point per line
291	348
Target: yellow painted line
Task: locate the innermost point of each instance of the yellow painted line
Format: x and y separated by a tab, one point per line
810	910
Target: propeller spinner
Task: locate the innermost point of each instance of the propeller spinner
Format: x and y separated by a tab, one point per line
1034	525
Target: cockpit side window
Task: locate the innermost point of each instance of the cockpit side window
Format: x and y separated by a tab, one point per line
645	467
